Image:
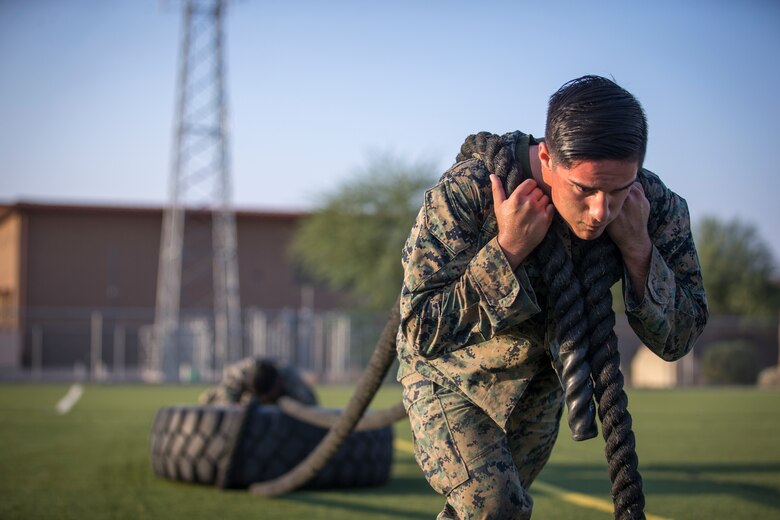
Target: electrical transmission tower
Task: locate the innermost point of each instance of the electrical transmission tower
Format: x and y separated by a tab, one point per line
197	283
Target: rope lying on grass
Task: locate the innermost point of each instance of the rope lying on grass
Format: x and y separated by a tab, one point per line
365	390
327	418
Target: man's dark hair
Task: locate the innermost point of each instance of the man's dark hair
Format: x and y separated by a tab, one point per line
593	118
266	375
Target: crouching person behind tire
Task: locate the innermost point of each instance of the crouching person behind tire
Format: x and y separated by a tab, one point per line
259	379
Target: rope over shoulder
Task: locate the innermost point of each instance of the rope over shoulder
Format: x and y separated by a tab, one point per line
498	154
587	341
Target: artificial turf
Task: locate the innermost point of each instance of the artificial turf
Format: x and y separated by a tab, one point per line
704	453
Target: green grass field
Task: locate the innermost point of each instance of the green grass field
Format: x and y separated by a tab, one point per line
712	453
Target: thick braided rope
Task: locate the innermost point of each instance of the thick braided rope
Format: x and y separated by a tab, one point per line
597	268
498	154
599	346
365	390
571	330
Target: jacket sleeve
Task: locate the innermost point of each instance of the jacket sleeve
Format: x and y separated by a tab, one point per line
236	385
459	289
673	312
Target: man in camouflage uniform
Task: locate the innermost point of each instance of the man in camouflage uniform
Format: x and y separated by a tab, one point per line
477	348
259	379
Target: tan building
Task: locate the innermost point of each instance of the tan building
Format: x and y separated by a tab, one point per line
649	371
66	268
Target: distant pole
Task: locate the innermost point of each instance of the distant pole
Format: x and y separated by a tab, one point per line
305	323
119	352
199	180
259	328
96	344
318	348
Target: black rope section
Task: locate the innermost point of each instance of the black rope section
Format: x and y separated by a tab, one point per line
571	329
571	324
598	268
584	325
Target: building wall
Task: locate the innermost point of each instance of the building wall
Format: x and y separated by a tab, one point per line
650	371
108	257
64	267
81	258
267	272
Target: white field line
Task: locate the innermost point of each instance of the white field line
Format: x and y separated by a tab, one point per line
567	496
70	399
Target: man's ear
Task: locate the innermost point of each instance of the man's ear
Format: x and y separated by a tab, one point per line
546	160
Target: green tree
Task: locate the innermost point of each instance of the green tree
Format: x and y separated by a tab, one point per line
352	241
737	267
730	363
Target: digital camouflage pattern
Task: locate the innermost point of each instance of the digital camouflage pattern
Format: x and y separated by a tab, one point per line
237	385
472	326
465	455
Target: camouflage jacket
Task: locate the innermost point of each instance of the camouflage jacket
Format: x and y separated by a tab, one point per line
237	385
468	321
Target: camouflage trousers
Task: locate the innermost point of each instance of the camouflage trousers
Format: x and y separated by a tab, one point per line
482	469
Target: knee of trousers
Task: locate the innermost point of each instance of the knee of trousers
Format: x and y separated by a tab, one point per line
506	506
493	490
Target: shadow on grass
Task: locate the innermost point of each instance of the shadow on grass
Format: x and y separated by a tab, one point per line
404	486
673	479
399	486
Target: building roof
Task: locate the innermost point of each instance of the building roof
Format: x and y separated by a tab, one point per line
7	209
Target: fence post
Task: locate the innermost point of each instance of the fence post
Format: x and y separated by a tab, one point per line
305	318
119	352
96	344
318	348
259	323
340	347
346	337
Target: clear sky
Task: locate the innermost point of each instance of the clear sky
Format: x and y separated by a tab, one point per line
87	92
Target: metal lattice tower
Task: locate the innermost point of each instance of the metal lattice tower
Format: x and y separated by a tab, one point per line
197	284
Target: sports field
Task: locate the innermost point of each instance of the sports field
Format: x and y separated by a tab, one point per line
711	453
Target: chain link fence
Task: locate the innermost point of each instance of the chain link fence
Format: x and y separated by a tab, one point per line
114	345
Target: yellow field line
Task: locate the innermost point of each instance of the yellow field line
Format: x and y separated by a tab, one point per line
404	445
567	496
584	500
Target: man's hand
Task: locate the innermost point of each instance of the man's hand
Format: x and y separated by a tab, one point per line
629	232
523	218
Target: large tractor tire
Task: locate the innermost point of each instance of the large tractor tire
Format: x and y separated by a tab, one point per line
235	446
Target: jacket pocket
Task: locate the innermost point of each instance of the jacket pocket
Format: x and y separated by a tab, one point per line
443	222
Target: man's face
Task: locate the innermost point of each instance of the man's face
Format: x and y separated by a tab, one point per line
590	194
